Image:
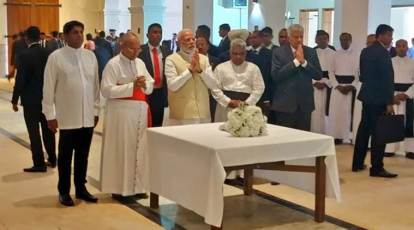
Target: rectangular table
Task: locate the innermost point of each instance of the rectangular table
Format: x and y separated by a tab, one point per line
188	164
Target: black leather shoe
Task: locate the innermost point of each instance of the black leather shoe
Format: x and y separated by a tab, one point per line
388	154
35	169
66	200
409	155
86	196
339	141
382	173
360	168
51	164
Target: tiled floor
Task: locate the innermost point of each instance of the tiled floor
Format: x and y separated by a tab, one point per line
28	201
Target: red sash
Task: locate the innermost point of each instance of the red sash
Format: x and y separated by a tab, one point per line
138	95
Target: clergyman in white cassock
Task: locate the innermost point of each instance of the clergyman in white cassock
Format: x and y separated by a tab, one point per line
237	81
125	84
344	83
404	93
319	115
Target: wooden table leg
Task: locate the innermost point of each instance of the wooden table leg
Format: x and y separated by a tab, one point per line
248	181
154	201
320	189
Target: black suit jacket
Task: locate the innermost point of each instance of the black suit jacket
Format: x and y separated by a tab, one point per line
263	60
292	86
145	56
29	79
52	45
17	47
377	76
224	45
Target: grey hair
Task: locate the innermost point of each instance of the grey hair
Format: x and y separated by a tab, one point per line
238	43
295	28
128	36
181	33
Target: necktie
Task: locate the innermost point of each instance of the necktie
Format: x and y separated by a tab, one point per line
156	62
173	45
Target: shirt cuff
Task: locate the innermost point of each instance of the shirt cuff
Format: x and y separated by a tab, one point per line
296	62
305	64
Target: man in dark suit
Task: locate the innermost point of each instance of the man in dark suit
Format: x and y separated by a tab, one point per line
53	44
293	68
29	86
102	42
377	94
153	55
262	57
224	45
267	36
204	30
17	47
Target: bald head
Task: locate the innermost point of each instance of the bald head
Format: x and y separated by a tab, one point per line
130	45
401	47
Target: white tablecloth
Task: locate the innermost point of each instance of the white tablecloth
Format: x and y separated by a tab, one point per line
186	163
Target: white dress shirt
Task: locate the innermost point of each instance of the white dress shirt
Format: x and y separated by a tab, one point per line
71	88
160	57
245	78
176	81
119	76
404	72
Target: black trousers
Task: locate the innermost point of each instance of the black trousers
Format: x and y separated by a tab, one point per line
33	116
157	103
71	141
366	129
296	120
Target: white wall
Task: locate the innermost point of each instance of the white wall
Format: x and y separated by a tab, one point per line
268	13
173	19
294	7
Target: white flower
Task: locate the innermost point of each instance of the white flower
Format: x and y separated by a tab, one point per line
245	121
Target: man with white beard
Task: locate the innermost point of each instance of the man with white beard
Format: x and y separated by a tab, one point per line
189	76
403	99
125	84
346	78
321	87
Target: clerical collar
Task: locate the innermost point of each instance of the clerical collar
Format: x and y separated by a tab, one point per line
270	46
73	50
123	57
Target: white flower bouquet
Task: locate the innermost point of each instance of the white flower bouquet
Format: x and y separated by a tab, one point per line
245	121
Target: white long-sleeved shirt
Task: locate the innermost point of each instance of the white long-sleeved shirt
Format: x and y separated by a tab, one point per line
326	60
245	78
175	81
346	63
71	88
119	75
404	72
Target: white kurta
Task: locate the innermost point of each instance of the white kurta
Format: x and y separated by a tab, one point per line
125	122
175	81
346	63
245	78
319	120
403	73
